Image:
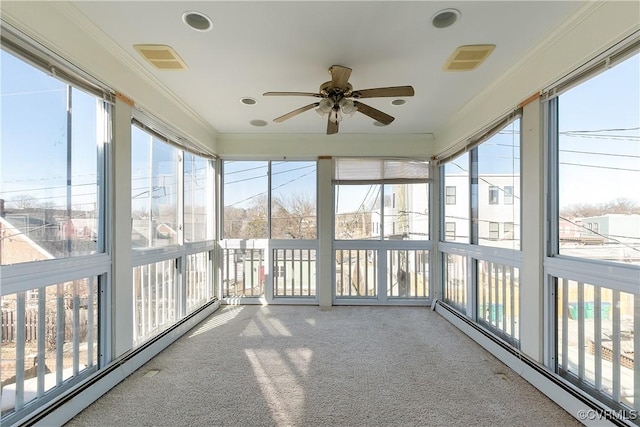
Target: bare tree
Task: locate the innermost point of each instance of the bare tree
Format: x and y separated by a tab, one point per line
618	206
23	201
293	217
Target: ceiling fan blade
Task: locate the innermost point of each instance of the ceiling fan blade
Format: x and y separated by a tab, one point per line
339	76
331	127
378	115
295	112
317	95
381	92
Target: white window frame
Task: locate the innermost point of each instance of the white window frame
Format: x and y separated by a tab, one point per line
508	195
450	196
494	195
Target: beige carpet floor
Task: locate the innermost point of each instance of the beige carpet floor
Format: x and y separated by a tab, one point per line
306	366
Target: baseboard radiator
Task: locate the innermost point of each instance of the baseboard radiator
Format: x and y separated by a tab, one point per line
73	401
572	399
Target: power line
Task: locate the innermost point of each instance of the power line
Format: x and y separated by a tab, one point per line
599	167
273	173
34	92
264	192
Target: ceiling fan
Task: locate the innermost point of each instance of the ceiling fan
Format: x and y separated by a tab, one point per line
336	99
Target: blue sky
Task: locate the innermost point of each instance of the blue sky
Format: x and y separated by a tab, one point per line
34	137
33	141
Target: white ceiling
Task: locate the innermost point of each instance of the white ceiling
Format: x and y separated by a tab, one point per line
255	47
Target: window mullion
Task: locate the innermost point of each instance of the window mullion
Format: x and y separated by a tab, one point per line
473	196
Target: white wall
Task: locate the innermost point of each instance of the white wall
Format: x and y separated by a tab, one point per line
270	146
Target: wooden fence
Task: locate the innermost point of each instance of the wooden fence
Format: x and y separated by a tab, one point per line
10	323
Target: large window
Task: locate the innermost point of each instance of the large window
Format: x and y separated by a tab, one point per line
599	166
377	199
293	200
52	219
456	181
357	212
596	142
499	177
250	185
49	197
171	191
197	194
154	190
381	226
488	174
246	187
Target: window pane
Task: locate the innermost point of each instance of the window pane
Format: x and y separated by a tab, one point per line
407	273
450	195
154	190
455	281
493	195
196	196
599	166
293	200
356	273
508	195
596	338
357	212
294	272
156	296
456	177
246	186
499	188
48	166
406	212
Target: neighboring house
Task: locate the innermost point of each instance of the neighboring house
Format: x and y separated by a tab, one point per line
606	237
35	235
17	247
613	227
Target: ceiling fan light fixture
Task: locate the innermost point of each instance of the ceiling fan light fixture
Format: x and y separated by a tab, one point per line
347	106
258	123
197	20
326	105
248	101
445	18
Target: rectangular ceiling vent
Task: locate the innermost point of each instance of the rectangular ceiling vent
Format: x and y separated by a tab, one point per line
467	58
161	56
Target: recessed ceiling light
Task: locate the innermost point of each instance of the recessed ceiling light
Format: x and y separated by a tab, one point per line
399	101
445	18
248	101
377	123
197	20
258	123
